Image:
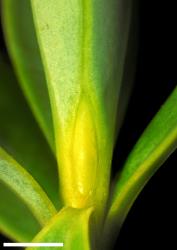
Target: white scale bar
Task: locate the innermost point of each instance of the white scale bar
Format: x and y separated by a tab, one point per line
33	244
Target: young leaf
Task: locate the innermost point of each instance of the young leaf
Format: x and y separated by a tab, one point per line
21	182
23	49
84	72
16	220
155	145
70	227
20	135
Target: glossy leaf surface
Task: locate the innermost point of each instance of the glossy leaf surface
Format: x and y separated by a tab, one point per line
21	136
84	73
16	220
70	227
21	182
23	49
155	145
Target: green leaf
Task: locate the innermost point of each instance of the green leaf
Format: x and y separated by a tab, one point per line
84	72
16	220
155	145
21	136
23	49
21	182
70	227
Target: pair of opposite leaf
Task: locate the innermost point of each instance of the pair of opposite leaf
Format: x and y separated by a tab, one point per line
74	62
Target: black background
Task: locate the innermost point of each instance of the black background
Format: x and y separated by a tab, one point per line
151	221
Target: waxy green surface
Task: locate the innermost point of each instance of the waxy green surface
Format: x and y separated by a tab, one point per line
21	137
70	227
23	49
83	59
21	182
155	145
82	62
